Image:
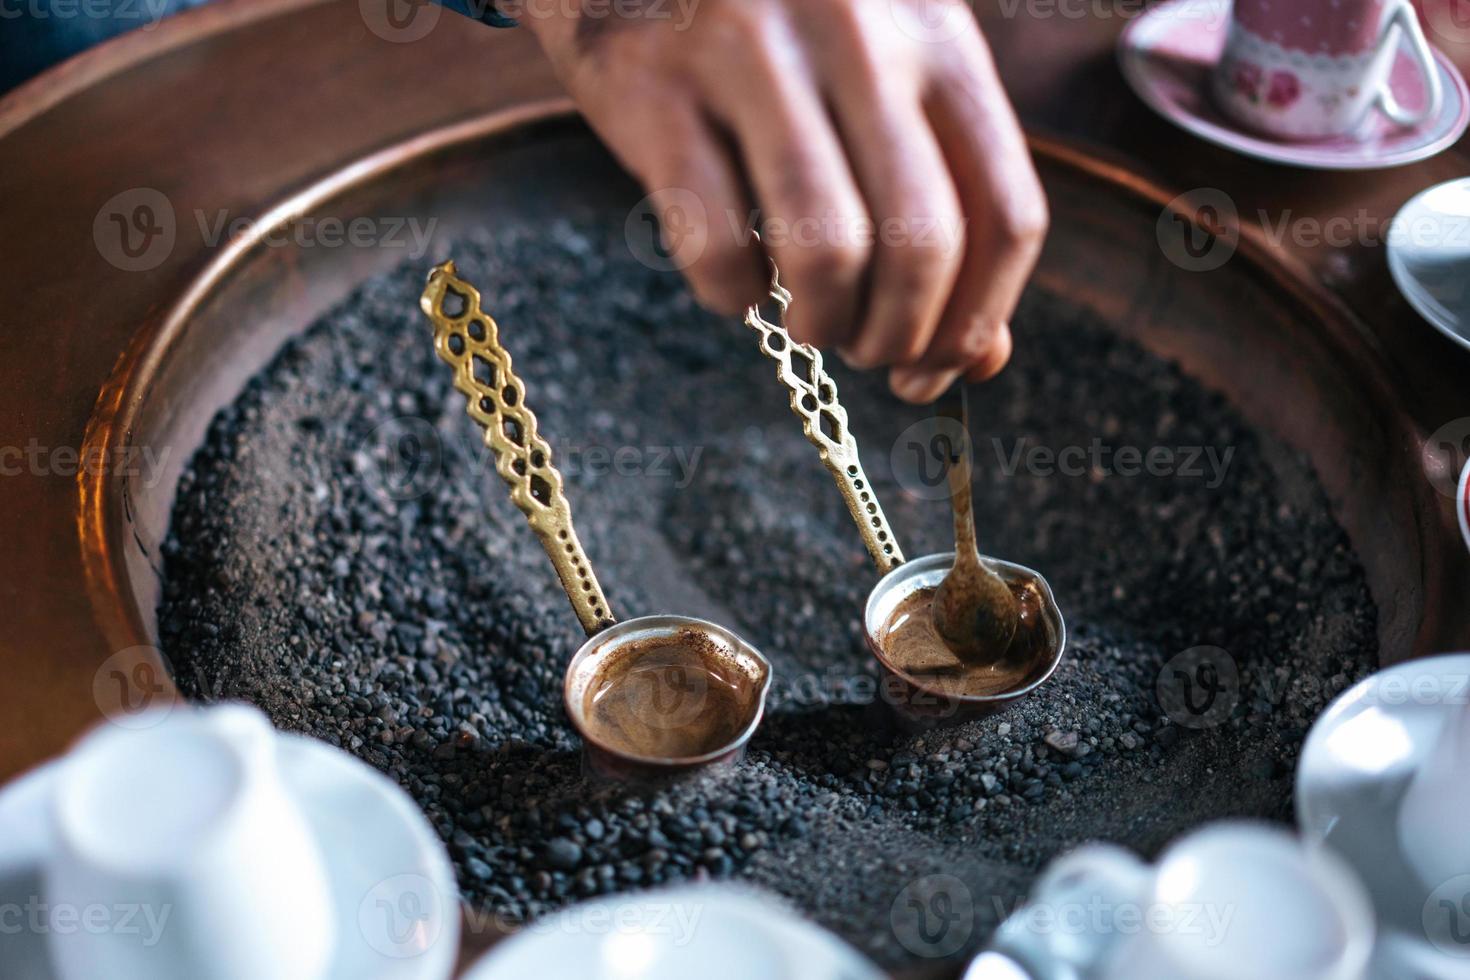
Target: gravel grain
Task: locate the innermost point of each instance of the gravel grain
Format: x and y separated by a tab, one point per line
343	554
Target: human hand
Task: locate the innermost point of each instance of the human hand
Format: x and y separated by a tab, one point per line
895	189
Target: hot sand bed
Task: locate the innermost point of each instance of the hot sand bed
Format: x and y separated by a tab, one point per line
343	554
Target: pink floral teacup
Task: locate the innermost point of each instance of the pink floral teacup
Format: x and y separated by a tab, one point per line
1313	69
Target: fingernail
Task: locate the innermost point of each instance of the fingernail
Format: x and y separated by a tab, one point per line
918	385
850	357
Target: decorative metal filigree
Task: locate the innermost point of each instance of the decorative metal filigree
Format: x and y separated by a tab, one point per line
824	420
468	339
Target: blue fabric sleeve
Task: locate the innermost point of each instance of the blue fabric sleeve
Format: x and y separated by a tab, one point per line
484	11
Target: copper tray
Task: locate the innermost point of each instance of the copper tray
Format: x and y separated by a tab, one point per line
105	360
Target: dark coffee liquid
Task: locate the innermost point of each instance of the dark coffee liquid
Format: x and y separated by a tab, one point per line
914	647
669	697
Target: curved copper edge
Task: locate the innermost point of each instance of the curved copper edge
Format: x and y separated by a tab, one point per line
63	80
104	498
1288	274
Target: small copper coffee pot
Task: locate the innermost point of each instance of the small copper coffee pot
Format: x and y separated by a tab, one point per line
918	702
722	697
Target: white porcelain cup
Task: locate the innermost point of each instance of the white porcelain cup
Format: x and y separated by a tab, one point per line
1233	900
699	932
1432	827
1313	69
183	857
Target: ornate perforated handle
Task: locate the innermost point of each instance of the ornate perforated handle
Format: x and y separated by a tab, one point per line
824	420
468	339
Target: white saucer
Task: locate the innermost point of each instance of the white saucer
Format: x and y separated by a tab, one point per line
709	932
1167	56
1429	256
1357	763
395	894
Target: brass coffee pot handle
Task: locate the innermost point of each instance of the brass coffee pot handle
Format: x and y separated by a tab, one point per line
824	420
468	340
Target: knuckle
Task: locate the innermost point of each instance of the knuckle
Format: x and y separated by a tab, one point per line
736	22
911	346
918	267
1022	219
977	343
830	263
727	276
971	344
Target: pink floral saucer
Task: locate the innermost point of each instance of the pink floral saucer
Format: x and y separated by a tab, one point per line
1167	56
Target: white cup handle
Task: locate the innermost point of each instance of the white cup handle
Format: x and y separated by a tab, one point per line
1404	17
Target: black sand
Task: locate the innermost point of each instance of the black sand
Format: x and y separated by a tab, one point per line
344	555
